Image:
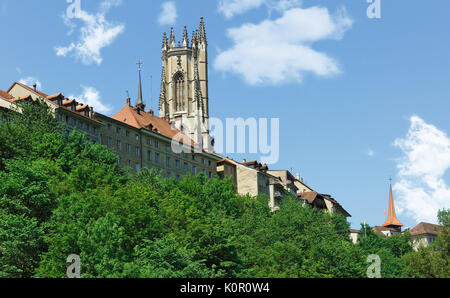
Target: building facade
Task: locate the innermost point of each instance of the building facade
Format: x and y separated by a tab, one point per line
184	85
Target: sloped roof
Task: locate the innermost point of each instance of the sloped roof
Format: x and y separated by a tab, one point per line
52	99
5	95
143	120
28	88
379	230
424	228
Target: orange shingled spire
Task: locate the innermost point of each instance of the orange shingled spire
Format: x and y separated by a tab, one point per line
392	220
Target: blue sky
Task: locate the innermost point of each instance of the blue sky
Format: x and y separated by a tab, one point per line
370	101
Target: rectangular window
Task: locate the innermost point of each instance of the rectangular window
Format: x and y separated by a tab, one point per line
109	142
157	144
119	146
194	170
167	148
186	169
137	151
129	163
138	167
149	141
157	157
109	126
128	148
149	155
168	162
177	164
210	175
118	130
137	138
127	133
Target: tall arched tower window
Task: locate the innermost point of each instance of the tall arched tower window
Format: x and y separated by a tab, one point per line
179	91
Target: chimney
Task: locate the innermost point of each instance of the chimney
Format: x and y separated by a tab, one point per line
129	101
35	86
91	112
244	160
298	176
151	112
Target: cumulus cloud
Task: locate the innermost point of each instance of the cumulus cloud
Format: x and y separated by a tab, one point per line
230	8
30	81
281	50
96	33
168	15
422	189
91	97
371	153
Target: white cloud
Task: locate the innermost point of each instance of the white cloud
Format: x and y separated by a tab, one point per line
91	97
371	153
30	81
230	8
95	34
422	190
280	50
168	15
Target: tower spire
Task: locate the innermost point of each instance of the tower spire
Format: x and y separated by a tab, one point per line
185	38
140	103
392	221
172	38
202	31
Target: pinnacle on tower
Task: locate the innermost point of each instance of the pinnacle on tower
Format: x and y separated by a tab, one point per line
165	43
185	38
202	31
162	96
172	38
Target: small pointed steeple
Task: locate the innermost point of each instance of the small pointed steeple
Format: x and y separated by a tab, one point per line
194	40
165	43
392	221
140	103
202	31
185	38
172	38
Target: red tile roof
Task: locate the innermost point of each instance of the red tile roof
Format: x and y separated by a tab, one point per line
5	95
424	228
52	98
144	120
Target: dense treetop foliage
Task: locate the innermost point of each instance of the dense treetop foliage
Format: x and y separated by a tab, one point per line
62	195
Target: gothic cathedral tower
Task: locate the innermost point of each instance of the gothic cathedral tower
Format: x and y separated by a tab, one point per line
184	85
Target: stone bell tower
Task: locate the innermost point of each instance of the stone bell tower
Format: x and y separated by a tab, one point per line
184	85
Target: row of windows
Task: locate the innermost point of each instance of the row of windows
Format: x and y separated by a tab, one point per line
137	152
79	124
186	169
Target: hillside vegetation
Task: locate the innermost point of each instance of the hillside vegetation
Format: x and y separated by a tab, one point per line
62	195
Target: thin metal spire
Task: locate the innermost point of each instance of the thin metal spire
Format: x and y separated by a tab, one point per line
140	103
